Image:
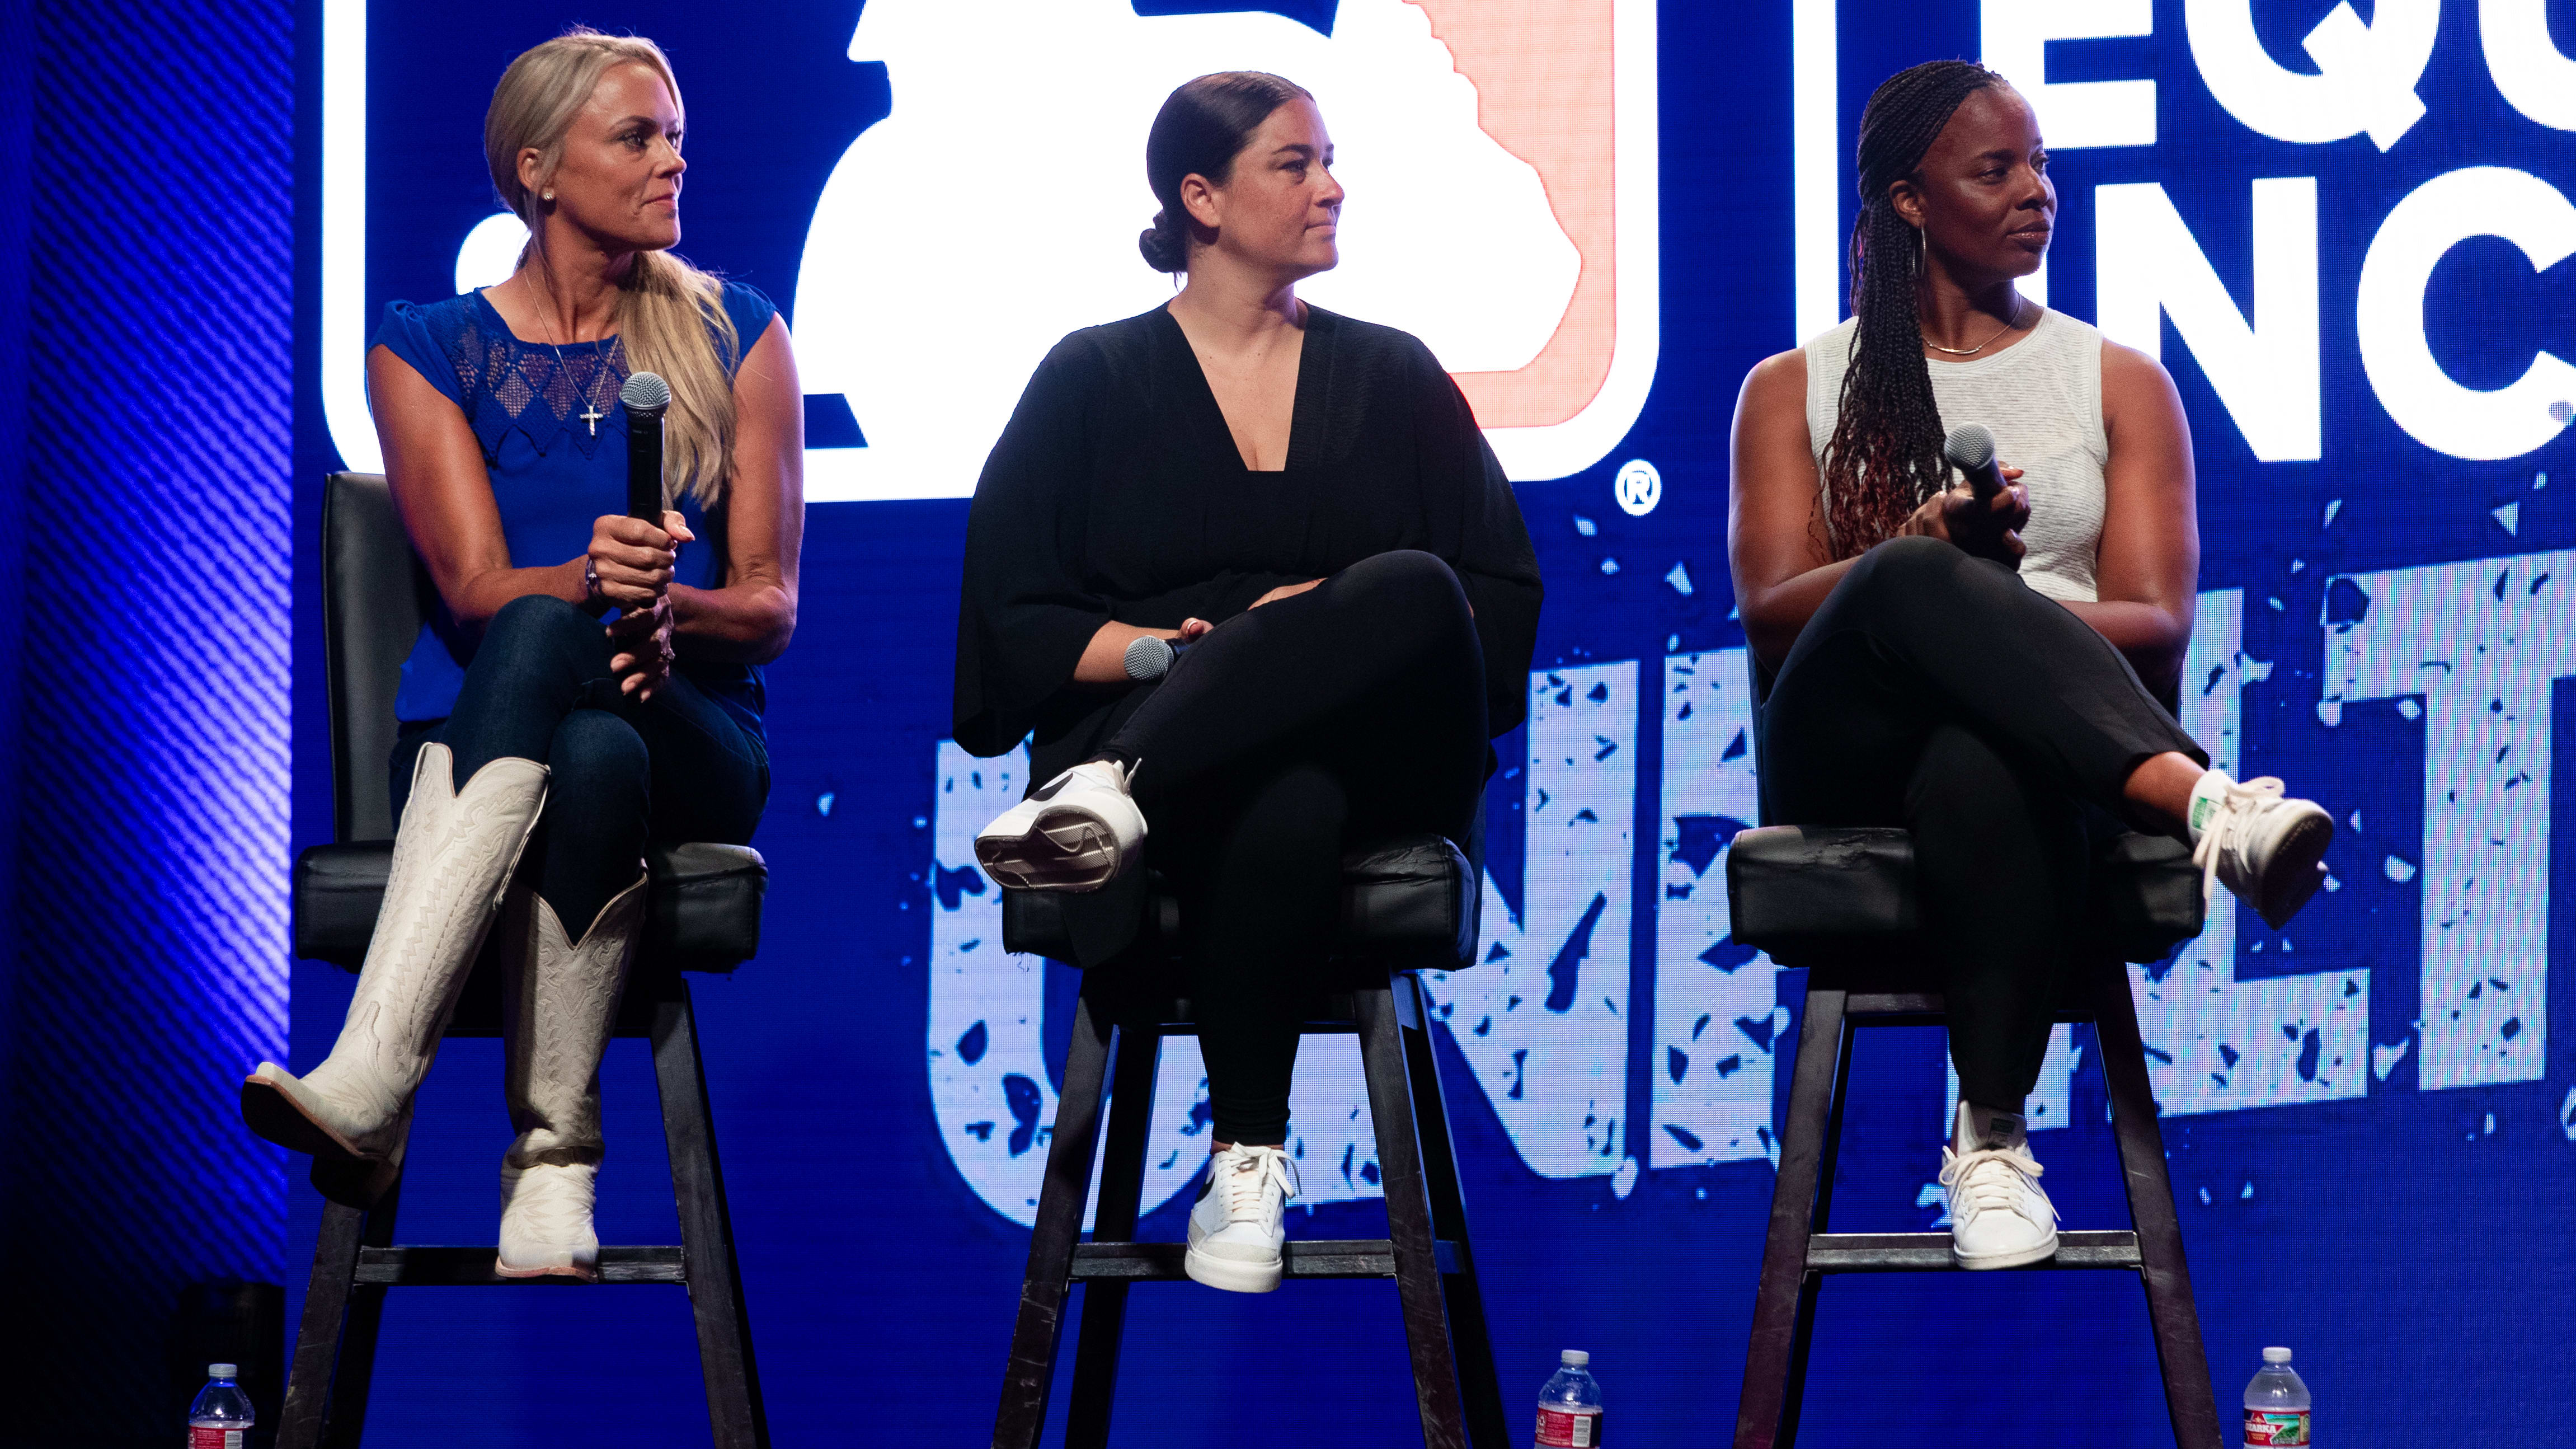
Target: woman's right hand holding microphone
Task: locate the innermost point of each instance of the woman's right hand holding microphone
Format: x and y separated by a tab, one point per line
1987	528
630	564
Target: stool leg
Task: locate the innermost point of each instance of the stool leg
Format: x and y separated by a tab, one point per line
1786	1294
1794	1401
706	1227
335	1345
2190	1399
1408	1219
1470	1339
1122	1192
1030	1375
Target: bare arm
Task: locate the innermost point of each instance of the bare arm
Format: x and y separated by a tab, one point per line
444	493
752	615
2149	563
1775	531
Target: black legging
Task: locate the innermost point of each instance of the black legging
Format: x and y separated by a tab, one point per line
619	772
1352	711
1936	691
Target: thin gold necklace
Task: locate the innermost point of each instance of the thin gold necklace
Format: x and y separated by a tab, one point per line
2009	323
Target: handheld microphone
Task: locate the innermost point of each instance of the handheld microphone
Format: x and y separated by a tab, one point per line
1970	448
646	397
1150	658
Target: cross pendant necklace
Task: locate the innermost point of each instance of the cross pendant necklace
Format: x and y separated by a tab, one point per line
590	412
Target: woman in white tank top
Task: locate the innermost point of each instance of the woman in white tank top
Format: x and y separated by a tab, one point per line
1983	673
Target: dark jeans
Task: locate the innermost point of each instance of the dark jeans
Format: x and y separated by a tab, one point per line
1351	712
677	769
1937	692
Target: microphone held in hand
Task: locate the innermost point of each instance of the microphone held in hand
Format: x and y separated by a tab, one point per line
1150	658
646	397
1970	448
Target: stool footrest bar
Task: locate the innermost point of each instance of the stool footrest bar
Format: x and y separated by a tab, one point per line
1318	1258
450	1267
1930	1252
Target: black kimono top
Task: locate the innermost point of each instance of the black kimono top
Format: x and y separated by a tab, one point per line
1117	493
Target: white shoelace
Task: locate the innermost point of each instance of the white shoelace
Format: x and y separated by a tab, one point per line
1991	1179
2238	809
1244	1182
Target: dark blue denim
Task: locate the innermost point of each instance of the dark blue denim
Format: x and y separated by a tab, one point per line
678	768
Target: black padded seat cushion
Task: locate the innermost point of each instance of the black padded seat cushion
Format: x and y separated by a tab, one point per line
1799	892
705	907
1411	901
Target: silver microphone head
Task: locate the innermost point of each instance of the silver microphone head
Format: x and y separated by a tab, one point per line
1970	445
1148	658
645	392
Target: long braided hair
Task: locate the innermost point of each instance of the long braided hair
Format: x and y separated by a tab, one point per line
1885	458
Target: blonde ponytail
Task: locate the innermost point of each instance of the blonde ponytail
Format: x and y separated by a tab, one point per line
670	315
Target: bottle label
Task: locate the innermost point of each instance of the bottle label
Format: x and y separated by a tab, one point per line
1574	1429
2276	1427
216	1436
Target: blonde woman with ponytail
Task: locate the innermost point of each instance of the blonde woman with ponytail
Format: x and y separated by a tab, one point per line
591	682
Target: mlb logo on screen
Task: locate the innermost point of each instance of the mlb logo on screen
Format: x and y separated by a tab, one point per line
1500	160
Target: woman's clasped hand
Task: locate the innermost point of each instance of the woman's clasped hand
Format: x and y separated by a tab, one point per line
1988	528
634	563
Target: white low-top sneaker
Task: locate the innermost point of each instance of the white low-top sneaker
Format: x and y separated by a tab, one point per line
1076	832
1998	1216
1237	1227
2263	845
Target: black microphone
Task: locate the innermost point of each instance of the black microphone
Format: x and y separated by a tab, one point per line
1150	657
646	397
1970	448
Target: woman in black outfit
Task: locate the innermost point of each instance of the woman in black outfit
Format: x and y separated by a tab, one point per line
1306	501
1929	670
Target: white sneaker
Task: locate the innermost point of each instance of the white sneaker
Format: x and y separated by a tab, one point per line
2266	847
1998	1216
545	1222
1077	832
1237	1230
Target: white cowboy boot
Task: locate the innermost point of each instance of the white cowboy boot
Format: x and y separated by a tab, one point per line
452	860
555	1029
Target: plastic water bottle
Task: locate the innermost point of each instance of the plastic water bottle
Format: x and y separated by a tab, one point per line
1569	1408
2276	1404
221	1417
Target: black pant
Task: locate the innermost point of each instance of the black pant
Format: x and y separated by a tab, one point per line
1353	711
619	773
1937	692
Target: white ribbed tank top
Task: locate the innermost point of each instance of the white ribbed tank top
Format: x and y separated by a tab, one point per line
2043	398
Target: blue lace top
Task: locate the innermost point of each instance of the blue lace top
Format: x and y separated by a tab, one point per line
553	475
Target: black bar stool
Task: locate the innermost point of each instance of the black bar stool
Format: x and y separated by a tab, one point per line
704	915
1408	905
1841	903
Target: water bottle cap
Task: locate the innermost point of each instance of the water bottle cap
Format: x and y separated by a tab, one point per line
1574	1358
2276	1355
223	1370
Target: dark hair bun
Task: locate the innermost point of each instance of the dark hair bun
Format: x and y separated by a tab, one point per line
1165	246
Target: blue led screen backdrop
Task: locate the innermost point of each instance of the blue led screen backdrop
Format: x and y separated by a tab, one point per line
2346	236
